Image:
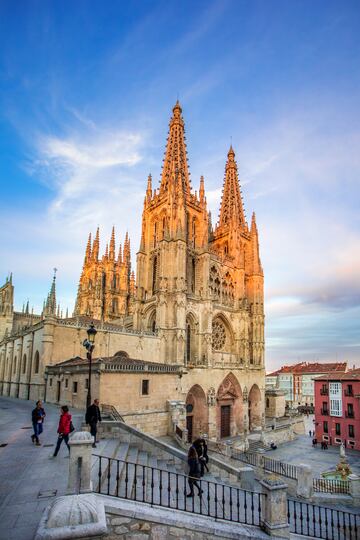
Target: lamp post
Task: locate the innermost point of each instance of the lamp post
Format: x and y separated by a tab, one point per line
89	345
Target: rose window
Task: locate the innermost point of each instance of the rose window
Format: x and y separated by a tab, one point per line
218	335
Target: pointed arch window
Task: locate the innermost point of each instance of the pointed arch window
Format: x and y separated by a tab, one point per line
194	232
155	233
36	362
193	274
24	364
154	275
188	343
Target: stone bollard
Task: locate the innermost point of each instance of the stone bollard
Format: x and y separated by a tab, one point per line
80	463
275	515
304	486
354	490
247	478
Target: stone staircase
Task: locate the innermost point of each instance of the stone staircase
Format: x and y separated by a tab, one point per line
133	473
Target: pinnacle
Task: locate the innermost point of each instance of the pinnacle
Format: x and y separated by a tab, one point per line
231	209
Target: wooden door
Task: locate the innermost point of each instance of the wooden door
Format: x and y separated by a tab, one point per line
225	421
58	391
189	427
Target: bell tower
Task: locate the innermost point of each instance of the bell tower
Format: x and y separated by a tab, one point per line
174	236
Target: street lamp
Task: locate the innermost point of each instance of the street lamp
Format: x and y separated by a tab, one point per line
89	345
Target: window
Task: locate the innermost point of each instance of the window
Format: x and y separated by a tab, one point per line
50	382
349	390
267	402
24	364
14	368
66	383
75	387
351	431
145	387
154	276
37	362
337	429
86	384
326	427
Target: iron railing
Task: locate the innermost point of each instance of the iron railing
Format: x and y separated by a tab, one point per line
279	467
178	431
112	411
348	392
324	412
322	522
349	414
268	464
324	391
159	487
325	485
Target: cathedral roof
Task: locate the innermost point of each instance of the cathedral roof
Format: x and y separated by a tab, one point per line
119	362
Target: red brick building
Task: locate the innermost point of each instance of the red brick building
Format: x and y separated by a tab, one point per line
337	408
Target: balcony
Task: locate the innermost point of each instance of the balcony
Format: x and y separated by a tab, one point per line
325	412
349	393
324	391
349	414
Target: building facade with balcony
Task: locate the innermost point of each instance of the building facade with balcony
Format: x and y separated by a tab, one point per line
297	381
337	408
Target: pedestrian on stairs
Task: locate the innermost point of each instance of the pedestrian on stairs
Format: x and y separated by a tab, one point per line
64	429
38	416
92	417
194	472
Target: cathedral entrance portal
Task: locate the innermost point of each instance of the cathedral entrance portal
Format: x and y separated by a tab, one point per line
230	407
196	412
225	421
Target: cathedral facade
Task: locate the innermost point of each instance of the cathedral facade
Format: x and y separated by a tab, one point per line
197	305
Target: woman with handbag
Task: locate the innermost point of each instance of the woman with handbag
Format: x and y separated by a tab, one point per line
194	472
64	429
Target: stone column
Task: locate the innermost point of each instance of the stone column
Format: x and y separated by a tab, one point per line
80	463
304	482
275	514
354	480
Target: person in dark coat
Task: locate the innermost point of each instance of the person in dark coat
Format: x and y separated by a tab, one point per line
37	416
92	417
194	471
201	450
64	429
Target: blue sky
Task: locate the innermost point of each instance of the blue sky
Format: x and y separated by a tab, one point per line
86	90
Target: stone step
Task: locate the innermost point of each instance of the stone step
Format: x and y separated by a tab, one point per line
109	449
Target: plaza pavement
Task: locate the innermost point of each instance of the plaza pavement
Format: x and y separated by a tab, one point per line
301	451
28	478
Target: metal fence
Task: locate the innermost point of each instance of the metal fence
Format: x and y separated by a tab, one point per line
278	467
268	464
326	485
322	522
159	487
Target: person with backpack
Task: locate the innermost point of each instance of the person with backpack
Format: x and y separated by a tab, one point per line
194	471
92	417
64	429
38	416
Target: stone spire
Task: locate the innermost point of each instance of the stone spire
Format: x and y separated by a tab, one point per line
96	246
120	255
112	245
149	189
202	189
88	250
50	306
127	249
231	209
175	173
256	263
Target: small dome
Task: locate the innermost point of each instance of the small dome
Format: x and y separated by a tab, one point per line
71	511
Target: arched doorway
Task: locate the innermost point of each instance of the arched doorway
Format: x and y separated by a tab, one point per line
229	404
254	408
196	412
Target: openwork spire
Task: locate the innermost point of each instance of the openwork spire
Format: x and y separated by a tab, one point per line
88	250
112	245
231	202
175	174
96	246
50	306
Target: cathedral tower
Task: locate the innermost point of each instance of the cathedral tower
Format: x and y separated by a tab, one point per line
6	307
200	290
106	286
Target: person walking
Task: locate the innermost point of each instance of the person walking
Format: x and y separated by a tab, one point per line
64	429
194	471
38	416
309	432
92	417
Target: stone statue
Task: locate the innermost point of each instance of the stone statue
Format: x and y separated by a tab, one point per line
342	451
